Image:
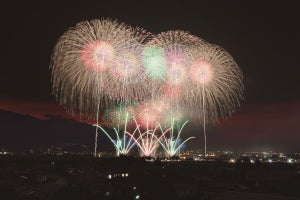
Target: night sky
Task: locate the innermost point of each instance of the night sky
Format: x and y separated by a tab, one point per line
263	38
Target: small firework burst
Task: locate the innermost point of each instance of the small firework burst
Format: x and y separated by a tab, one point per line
98	55
152	112
154	62
201	72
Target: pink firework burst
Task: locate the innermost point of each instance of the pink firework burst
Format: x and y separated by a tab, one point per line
97	55
127	67
177	66
83	58
148	117
152	113
201	72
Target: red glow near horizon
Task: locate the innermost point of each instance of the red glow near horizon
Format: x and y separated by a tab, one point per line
272	123
41	110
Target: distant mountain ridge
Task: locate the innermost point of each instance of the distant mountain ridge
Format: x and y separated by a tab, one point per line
22	132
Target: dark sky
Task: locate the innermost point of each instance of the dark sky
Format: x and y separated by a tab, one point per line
263	37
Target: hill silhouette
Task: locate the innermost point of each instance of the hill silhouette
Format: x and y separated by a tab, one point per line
22	132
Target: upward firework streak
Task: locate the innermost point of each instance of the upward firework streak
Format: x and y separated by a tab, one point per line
103	63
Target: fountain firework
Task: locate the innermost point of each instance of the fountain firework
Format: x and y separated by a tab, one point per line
122	143
173	143
148	138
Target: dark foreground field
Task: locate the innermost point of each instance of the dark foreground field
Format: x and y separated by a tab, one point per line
83	177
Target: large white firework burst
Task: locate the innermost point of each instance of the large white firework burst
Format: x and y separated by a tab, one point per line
96	63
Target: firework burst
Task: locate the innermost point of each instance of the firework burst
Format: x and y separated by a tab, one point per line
99	64
92	59
166	61
215	82
151	112
120	114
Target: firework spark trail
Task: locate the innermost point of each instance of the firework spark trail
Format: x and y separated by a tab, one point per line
96	134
